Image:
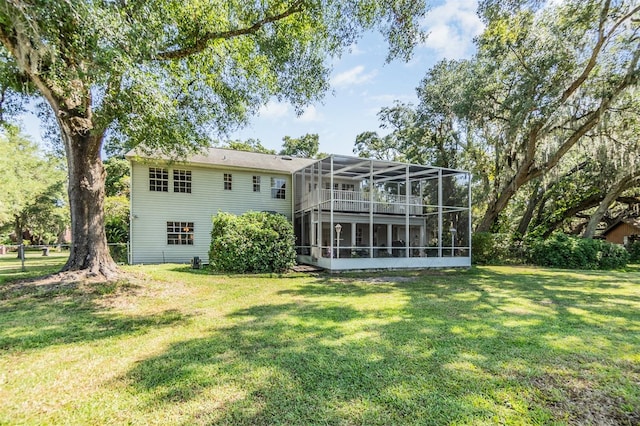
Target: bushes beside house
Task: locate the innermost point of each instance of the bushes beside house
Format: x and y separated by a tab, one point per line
253	242
557	251
634	251
563	251
494	249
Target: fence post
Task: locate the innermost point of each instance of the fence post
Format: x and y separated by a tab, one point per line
21	255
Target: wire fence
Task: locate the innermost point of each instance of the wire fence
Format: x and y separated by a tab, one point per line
25	252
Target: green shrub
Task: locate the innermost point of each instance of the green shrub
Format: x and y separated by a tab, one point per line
488	248
116	219
563	251
118	252
634	251
253	242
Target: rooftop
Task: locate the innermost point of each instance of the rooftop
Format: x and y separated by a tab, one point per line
230	158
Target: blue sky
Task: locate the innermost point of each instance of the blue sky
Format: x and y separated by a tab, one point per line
361	84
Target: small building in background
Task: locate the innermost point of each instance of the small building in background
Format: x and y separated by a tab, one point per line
622	230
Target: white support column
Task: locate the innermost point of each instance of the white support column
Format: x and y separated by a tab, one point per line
353	234
389	238
319	206
422	238
469	211
407	192
312	231
440	213
371	209
331	230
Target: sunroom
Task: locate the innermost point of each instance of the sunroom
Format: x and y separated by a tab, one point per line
355	213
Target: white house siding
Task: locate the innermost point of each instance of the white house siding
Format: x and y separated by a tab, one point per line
150	211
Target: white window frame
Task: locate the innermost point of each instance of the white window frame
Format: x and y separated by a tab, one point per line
158	179
180	233
182	181
278	192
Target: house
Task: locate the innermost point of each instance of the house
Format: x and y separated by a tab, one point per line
347	212
620	231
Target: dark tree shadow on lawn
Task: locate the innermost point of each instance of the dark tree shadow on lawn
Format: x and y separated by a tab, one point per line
466	348
34	316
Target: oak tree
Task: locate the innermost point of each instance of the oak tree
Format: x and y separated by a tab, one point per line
164	75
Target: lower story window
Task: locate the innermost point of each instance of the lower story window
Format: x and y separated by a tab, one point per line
180	233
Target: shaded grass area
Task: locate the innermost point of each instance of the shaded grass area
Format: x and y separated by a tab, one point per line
492	345
35	265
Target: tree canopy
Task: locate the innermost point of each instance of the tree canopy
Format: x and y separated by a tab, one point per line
164	75
547	103
32	197
306	146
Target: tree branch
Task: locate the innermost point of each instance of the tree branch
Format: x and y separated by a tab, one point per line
592	118
202	42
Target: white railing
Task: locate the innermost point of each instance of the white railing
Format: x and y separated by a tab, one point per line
354	201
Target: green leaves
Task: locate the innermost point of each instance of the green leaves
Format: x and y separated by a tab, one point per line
252	243
167	74
305	146
33	186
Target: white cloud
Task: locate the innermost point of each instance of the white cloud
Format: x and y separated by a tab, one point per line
452	27
311	114
273	110
354	76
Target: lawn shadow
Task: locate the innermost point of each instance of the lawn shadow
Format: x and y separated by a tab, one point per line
296	364
206	271
465	348
36	316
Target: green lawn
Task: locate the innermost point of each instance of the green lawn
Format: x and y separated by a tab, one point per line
35	265
492	345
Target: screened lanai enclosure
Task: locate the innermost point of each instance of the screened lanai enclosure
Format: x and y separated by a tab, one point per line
355	213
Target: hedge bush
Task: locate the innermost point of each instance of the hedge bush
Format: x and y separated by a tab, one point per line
634	251
488	248
254	242
563	251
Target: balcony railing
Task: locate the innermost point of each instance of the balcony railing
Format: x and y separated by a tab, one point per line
354	201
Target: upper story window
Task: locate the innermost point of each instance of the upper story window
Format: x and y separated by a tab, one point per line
182	181
348	187
327	185
256	184
180	233
278	188
228	181
158	179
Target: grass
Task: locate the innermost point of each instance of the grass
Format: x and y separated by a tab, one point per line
491	345
35	265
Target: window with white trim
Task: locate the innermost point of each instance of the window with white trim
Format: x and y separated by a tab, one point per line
182	181
278	188
256	184
228	180
158	179
180	233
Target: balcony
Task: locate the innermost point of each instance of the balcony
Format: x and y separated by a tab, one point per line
358	202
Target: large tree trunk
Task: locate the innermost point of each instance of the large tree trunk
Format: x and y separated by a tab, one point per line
89	250
536	195
490	218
